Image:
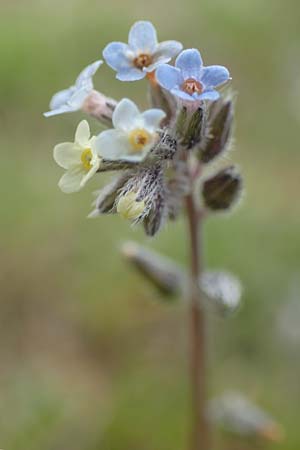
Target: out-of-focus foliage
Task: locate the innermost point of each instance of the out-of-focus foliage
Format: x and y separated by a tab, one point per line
89	358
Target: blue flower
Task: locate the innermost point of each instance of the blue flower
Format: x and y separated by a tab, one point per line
72	99
189	79
142	55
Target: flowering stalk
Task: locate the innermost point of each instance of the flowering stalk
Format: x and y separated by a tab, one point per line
200	427
160	156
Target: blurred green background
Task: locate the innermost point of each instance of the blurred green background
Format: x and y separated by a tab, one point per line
90	357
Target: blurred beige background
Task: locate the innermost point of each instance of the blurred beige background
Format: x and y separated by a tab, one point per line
90	357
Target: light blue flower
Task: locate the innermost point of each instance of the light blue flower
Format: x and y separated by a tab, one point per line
189	79
142	55
72	99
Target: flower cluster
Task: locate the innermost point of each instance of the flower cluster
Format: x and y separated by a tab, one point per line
158	153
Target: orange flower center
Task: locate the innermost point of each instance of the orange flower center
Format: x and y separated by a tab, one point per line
138	139
142	60
192	86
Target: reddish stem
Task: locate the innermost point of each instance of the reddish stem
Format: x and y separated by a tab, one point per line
200	428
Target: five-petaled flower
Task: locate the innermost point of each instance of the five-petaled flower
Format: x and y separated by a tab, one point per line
135	133
73	98
189	79
142	55
79	158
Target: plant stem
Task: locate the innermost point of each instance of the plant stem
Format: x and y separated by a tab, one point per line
200	428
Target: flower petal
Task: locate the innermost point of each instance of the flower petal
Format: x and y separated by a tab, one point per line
82	134
125	115
131	74
156	64
61	110
152	119
73	102
90	173
167	49
211	95
78	98
112	144
168	76
212	76
71	180
61	97
181	94
117	56
67	155
85	76
190	63
143	37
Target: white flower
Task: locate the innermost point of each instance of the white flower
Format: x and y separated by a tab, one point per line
134	134
72	99
79	158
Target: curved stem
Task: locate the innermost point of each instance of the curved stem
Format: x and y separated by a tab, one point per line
200	429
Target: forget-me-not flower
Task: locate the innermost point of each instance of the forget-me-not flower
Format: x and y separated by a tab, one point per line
134	134
142	55
72	99
189	79
79	158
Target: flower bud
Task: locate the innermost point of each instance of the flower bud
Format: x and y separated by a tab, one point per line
106	197
158	212
221	291
99	106
129	207
160	271
219	126
222	190
194	129
236	414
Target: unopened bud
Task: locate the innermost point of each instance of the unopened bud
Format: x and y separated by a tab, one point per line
160	271
106	197
221	191
222	292
219	126
238	415
181	121
99	106
194	129
129	207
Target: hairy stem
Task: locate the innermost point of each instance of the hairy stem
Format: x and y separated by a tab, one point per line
200	428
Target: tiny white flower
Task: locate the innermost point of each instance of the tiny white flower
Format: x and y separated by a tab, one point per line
72	99
79	158
134	134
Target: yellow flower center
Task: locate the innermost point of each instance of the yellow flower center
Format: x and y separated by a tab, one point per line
191	86
129	208
86	158
142	60
138	138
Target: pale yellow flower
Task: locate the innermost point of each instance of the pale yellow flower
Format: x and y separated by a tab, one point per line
79	158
